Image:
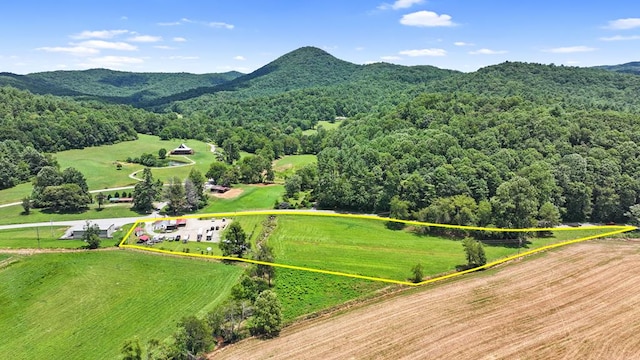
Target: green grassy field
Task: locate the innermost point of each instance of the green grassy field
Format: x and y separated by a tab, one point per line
13	214
287	165
302	292
98	164
85	305
252	198
325	124
367	247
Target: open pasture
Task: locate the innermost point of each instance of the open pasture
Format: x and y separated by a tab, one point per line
85	305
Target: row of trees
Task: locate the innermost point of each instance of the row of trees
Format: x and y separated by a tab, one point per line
253	308
180	196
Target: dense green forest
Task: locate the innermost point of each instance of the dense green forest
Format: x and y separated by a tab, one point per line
514	144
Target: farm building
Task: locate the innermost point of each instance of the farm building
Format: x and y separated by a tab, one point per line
121	200
219	189
106	232
182	150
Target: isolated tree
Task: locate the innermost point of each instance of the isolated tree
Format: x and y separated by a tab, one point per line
292	185
26	205
174	195
231	150
146	192
265	253
216	170
131	350
474	252
235	242
91	235
267	316
193	336
192	200
418	273
198	180
162	153
100	198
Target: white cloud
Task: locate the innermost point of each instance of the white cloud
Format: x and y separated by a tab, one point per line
620	38
73	50
101	34
424	52
124	18
145	38
221	25
101	44
360	48
174	23
400	4
390	58
179	39
487	52
180	57
426	19
572	62
164	47
624	24
462	43
240	57
570	49
113	61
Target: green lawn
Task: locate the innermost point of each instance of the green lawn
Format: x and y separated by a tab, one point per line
252	198
367	247
85	305
325	124
13	214
287	165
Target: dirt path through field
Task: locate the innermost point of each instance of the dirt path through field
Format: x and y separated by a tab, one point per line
580	302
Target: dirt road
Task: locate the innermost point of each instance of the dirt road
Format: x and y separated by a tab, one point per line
580	302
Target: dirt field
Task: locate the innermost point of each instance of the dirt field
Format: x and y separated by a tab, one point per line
233	193
580	302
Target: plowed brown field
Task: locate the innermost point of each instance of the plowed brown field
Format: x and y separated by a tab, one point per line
580	302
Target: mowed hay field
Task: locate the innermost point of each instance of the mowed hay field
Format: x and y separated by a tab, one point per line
577	302
368	248
85	305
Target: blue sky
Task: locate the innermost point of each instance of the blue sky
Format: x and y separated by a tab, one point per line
207	36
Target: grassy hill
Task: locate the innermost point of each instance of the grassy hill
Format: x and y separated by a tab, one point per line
85	305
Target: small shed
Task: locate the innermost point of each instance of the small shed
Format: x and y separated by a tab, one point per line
182	150
144	238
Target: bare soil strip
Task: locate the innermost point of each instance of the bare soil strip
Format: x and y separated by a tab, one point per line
580	302
233	193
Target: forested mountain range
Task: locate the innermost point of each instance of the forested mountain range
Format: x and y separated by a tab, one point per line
629	68
114	86
420	142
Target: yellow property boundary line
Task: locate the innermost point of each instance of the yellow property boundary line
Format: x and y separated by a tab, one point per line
615	230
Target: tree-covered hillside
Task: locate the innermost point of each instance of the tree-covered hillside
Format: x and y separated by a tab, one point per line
628	68
513	144
32	125
114	86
